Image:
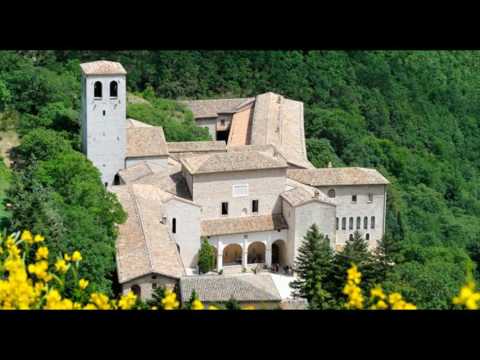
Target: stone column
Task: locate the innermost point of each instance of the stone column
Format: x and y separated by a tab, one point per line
268	254
219	255
245	254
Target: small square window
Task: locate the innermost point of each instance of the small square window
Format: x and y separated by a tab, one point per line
354	198
224	208
370	197
154	286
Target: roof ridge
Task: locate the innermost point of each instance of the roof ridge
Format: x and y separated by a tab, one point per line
137	208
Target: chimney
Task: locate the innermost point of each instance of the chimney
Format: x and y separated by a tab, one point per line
329	164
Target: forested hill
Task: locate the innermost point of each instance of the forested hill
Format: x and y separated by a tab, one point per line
415	116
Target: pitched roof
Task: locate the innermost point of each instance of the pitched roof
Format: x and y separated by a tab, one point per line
212	107
244	224
338	176
132	123
194	146
279	121
242	287
103	67
232	161
300	195
144	245
146	141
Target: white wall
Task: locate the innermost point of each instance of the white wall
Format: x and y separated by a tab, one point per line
313	213
104	136
187	234
362	208
210	190
210	124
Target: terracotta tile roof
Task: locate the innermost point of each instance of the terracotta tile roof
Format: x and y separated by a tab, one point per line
300	195
279	121
135	172
194	146
103	67
245	224
240	128
232	161
338	176
212	107
144	245
146	141
221	288
132	123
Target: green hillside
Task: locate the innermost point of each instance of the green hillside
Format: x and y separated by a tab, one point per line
413	115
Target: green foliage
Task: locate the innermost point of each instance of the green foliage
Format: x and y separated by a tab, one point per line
5	96
176	120
313	266
193	297
232	304
5	177
206	257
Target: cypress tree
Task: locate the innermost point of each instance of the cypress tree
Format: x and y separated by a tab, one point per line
206	257
313	267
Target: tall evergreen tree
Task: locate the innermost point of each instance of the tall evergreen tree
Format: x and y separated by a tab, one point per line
385	256
355	252
206	257
313	266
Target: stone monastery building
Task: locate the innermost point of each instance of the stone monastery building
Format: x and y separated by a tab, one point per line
251	191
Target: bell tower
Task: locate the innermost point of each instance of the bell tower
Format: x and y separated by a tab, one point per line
103	116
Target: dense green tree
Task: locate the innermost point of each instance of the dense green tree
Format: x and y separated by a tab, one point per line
206	257
313	267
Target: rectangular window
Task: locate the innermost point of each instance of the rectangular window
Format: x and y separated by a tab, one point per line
365	223
350	223
359	222
255	206
372	222
224	208
240	190
174	225
354	198
370	197
337	223
344	223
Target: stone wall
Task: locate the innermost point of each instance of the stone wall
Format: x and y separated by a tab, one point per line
210	190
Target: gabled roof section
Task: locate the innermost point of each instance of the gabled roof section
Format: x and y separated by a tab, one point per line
242	287
132	123
301	195
232	161
194	146
213	107
146	141
338	176
244	224
144	245
103	67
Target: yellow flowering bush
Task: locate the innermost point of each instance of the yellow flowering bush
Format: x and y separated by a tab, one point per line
378	299
37	286
468	297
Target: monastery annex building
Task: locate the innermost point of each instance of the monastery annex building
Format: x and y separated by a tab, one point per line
251	191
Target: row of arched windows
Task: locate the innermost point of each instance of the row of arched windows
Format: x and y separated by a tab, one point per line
357	223
97	89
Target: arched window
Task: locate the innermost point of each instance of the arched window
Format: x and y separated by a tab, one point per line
365	223
359	222
344	223
174	225
136	290
350	223
113	89
331	193
372	222
97	90
367	236
351	237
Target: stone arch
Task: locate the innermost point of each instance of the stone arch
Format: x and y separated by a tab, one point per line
232	255
279	252
256	252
